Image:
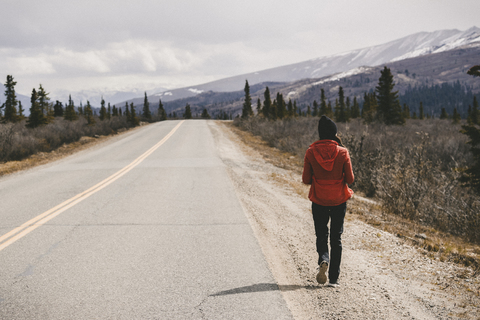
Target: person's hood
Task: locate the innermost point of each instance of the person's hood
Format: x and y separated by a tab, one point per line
325	152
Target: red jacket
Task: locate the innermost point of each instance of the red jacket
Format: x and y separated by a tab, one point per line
328	169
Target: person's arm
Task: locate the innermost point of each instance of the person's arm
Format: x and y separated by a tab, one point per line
307	170
347	169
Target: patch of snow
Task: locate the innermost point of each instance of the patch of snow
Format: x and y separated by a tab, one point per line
197	91
291	93
168	94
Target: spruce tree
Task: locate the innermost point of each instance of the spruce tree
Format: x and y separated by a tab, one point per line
43	103
80	109
162	114
109	112
315	108
10	104
456	116
127	113
188	112
290	110
406	111
389	110
247	110
323	104
146	108
267	103
444	114
205	114
21	116
421	114
103	110
58	109
89	114
259	106
114	111
355	112
348	110
273	110
340	107
36	117
281	106
70	113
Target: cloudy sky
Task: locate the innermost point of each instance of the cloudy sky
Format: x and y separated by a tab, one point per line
124	44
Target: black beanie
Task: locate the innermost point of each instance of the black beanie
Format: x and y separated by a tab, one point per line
327	129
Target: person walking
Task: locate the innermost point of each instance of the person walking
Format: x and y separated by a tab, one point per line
328	169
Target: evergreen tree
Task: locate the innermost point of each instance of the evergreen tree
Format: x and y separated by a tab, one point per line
162	114
315	108
414	115
43	103
295	108
406	111
456	116
259	106
290	110
127	114
21	116
273	110
348	110
188	112
205	114
444	114
247	110
146	108
330	113
340	107
58	109
103	110
355	112
114	111
323	104
421	114
133	115
474	71
389	110
80	109
89	114
281	106
369	107
109	112
70	113
267	103
10	104
309	111
36	117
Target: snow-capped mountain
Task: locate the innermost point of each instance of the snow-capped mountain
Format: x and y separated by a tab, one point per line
419	44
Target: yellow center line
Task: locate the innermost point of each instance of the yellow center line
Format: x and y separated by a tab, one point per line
21	231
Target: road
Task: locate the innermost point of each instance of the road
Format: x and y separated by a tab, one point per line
161	235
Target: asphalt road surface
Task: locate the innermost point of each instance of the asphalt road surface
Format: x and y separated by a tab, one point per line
145	226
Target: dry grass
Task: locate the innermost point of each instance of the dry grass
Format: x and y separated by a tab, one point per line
41	158
432	242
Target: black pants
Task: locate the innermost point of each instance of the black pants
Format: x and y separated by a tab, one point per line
321	216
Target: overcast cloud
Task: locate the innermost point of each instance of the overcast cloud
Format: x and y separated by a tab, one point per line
120	44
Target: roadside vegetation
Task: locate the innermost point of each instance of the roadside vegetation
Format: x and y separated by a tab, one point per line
424	170
51	125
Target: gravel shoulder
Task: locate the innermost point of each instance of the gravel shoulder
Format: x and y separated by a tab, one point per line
382	277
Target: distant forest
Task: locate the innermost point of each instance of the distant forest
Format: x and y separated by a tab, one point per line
436	97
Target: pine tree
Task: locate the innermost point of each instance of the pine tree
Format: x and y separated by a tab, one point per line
89	114
21	116
315	108
281	106
444	114
80	109
10	104
267	103
188	112
421	114
348	110
323	104
146	108
36	117
456	116
406	111
44	104
114	111
247	110
389	110
103	110
259	106
355	112
162	114
109	112
127	113
58	109
273	110
70	113
290	110
133	115
205	114
340	107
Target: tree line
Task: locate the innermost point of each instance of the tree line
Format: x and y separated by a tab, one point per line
42	111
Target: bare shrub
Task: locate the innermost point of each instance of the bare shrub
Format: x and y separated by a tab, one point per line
413	169
18	142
